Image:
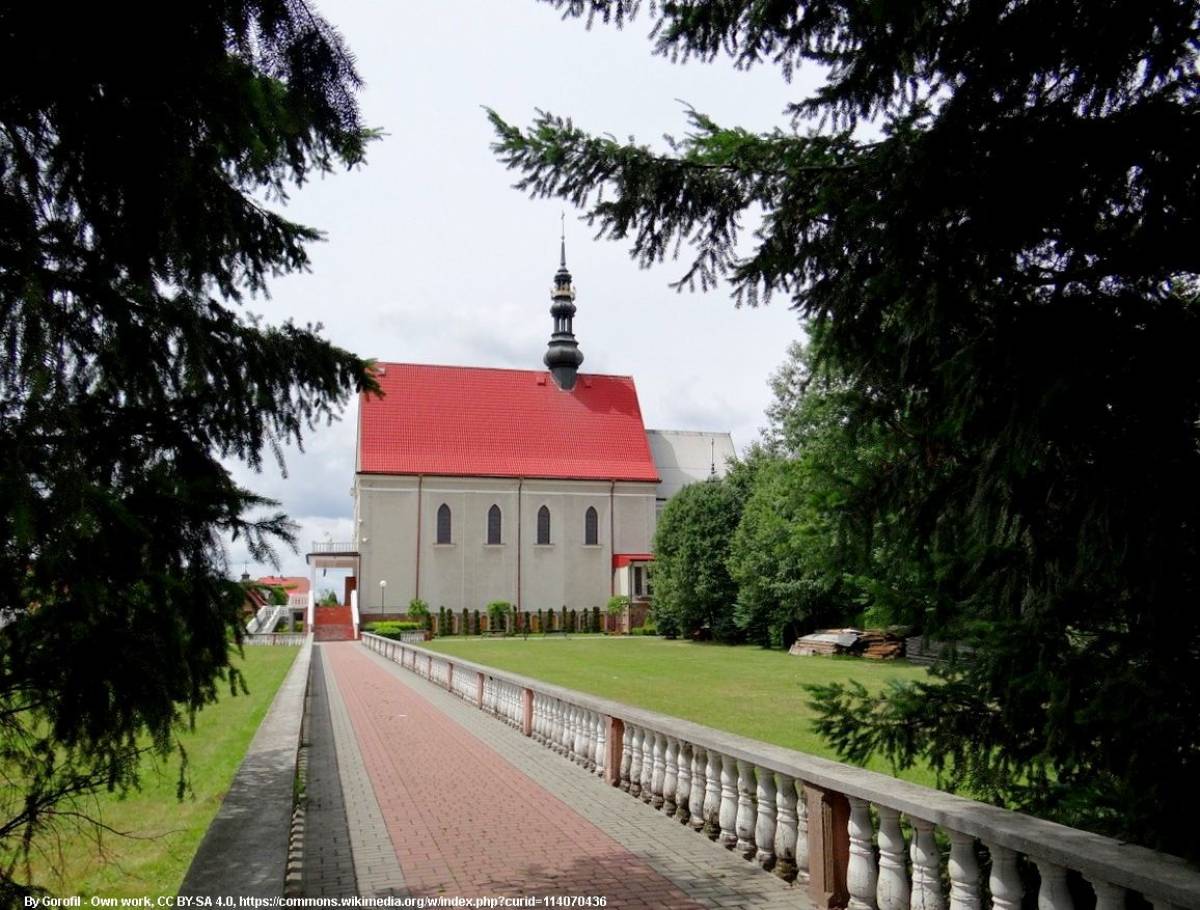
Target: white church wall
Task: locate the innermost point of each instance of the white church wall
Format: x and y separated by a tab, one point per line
387	514
468	572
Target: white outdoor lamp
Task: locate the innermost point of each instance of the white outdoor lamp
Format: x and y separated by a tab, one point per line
382	593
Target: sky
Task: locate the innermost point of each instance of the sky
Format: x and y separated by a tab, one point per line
430	256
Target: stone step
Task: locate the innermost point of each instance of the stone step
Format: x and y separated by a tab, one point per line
334	632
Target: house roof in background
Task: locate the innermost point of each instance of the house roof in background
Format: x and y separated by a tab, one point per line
293	584
484	422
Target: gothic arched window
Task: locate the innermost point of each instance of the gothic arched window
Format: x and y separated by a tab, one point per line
591	527
543	527
443	523
493	526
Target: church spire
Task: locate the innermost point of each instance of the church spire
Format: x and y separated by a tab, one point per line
563	356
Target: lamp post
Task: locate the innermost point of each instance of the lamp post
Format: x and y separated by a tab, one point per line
382	593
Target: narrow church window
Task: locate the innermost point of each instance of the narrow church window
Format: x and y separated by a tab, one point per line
443	523
543	528
591	527
493	532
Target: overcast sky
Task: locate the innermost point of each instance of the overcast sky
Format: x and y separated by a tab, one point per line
430	256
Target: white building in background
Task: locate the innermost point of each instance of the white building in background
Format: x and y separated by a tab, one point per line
536	487
686	456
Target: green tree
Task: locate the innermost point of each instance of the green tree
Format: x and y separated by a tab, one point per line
988	212
692	586
141	162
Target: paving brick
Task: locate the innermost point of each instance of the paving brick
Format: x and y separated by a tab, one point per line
474	808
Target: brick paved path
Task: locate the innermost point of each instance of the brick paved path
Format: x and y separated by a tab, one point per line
472	808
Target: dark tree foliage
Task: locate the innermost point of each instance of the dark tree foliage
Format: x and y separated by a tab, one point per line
693	591
1005	268
138	154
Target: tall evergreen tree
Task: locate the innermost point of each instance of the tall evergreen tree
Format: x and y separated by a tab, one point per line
1006	270
139	159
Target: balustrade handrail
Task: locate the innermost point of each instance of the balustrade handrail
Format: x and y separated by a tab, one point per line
1154	874
334	546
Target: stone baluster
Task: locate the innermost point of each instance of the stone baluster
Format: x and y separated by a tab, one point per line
635	761
659	771
802	857
670	775
626	757
785	828
1108	896
764	828
1053	893
556	732
601	746
862	876
647	793
729	803
964	872
538	708
581	739
712	795
699	787
572	732
926	876
747	812
683	782
893	890
580	750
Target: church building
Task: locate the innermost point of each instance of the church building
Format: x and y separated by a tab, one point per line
536	487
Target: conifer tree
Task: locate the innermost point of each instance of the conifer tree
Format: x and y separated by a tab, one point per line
988	210
142	160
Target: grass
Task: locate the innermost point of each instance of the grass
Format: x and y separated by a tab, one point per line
167	831
743	689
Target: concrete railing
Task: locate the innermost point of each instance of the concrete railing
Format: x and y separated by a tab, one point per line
294	639
266	619
833	826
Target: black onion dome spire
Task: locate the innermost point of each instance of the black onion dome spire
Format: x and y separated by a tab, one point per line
563	356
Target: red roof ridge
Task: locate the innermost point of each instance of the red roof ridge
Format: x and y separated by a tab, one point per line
474	369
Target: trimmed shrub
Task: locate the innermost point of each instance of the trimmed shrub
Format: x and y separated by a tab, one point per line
647	628
596	627
497	612
475	623
391	628
464	627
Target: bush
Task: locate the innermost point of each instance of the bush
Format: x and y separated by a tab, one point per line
417	609
616	604
391	628
464	627
596	627
475	622
497	612
647	628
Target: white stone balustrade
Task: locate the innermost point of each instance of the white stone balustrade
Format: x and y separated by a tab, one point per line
647	790
755	797
729	802
765	825
670	775
696	800
747	811
683	782
659	770
635	760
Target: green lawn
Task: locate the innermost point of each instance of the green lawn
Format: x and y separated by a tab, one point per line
167	831
743	689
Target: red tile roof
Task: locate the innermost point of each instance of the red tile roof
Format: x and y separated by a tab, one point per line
293	584
480	422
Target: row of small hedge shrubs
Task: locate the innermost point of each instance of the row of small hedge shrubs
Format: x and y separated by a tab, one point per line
392	628
502	617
